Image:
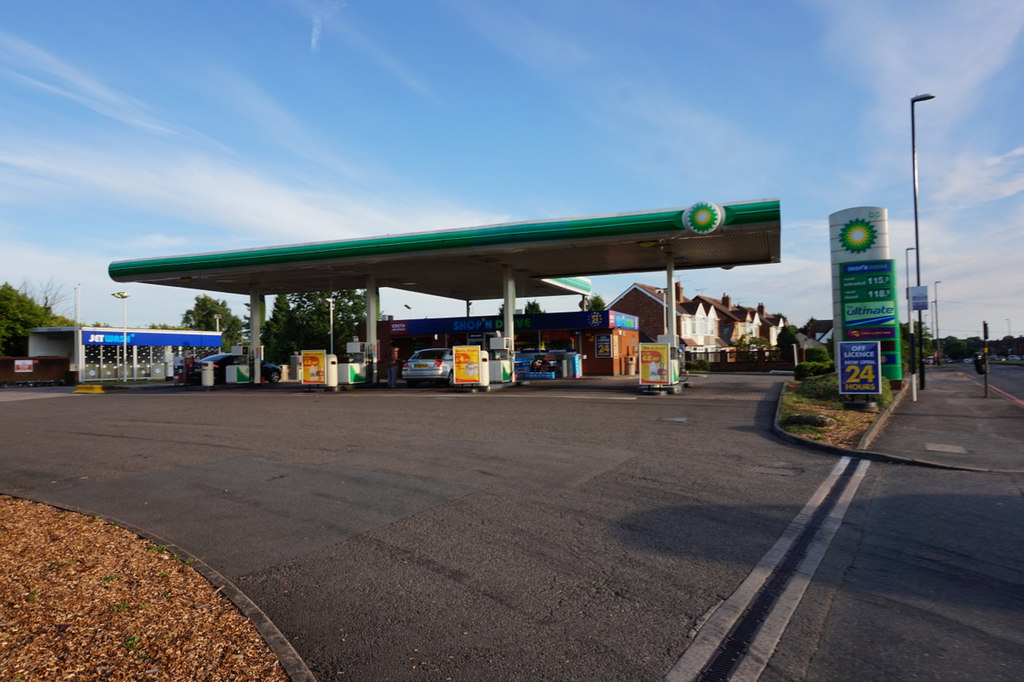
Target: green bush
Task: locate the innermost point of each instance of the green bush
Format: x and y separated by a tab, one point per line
816	355
825	387
812	369
699	365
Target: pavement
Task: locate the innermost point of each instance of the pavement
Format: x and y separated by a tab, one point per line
951	425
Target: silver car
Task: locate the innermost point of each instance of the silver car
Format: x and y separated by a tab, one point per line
429	364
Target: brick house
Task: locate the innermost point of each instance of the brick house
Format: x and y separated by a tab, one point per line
702	323
696	322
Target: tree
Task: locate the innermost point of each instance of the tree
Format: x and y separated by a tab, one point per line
276	346
595	302
51	295
531	307
955	349
18	315
922	335
300	322
202	317
747	342
787	338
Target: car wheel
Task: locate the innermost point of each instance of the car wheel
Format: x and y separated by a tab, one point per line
274	377
451	377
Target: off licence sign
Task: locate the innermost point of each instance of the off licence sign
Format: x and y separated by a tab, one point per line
860	367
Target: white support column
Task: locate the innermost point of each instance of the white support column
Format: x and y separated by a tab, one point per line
372	313
508	287
255	334
670	301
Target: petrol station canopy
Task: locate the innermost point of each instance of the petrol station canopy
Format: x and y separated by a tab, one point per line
542	258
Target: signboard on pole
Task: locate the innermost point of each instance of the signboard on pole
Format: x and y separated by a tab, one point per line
655	364
865	293
467	365
918	298
314	366
860	367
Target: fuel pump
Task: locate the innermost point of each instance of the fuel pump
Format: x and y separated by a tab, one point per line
352	365
673	351
501	360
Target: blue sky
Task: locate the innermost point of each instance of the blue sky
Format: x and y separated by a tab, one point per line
131	130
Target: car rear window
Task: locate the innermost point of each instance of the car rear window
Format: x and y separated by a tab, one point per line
430	354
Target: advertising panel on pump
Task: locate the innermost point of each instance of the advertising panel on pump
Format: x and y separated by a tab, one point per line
654	363
314	366
467	364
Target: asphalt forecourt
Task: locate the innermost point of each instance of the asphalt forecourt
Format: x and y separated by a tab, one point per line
578	533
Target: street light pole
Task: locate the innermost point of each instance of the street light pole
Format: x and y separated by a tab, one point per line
123	370
917	244
912	364
330	304
938	356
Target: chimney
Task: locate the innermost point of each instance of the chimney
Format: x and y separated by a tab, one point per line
760	309
727	301
679	292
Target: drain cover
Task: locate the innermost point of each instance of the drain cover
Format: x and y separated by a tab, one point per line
776	471
939	447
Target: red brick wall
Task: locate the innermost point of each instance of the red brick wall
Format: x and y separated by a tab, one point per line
43	369
650	312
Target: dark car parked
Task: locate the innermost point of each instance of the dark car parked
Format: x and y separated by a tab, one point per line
270	372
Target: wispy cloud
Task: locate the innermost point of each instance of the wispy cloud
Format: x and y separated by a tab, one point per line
219	194
540	47
314	41
37	69
973	179
328	19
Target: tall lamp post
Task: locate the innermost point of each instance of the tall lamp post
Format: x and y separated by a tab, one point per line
938	356
330	321
917	244
123	370
910	330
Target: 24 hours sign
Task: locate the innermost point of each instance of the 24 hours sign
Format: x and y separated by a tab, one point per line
860	367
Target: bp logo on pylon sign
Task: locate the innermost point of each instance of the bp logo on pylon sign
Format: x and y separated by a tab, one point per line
857	236
703	217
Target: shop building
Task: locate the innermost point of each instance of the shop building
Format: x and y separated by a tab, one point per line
606	341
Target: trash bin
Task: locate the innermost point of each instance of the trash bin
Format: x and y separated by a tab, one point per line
332	372
207	375
631	365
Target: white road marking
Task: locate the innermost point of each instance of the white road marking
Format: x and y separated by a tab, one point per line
718	625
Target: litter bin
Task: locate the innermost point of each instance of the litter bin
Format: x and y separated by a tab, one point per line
631	365
207	375
332	372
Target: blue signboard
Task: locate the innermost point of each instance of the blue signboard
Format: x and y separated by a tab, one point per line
594	319
860	367
111	337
